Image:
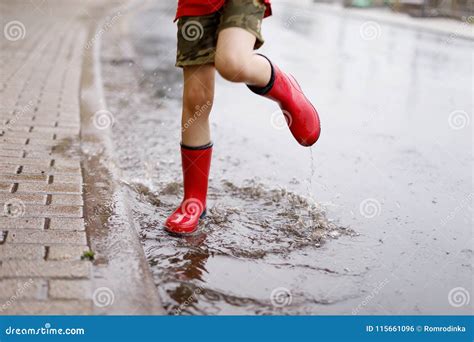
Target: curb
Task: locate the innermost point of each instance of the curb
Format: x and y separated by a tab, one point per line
457	29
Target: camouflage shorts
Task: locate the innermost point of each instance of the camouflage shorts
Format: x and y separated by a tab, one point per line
197	36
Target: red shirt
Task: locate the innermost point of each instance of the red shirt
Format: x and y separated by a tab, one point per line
192	8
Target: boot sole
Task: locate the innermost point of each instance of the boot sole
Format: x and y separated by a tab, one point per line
176	234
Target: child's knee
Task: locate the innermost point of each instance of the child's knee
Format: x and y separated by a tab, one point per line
198	95
232	67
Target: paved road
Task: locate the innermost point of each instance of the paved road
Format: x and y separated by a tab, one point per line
395	157
394	163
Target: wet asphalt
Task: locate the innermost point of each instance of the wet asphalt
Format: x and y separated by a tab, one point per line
376	218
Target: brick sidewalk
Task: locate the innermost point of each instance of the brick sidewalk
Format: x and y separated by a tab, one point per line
42	233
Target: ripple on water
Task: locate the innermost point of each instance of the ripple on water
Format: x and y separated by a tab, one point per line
252	220
244	225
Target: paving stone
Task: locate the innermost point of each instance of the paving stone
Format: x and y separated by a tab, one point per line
45	269
13	140
48	236
59	188
10	153
6	186
42	142
52	170
70	289
65	199
48	307
68	123
24	178
14	289
44	210
39	154
66	252
58	223
67	163
32	135
24	198
17	129
29	147
68	178
62	136
19	251
68	152
56	130
26	161
8	168
21	223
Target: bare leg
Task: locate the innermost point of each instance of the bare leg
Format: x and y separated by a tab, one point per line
196	150
198	95
235	60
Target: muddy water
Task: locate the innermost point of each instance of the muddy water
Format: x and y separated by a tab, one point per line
335	229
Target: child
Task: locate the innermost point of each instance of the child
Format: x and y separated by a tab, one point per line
221	35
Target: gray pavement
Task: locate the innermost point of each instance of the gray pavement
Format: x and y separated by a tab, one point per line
41	219
46	245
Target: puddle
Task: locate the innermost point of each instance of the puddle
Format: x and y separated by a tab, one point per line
258	237
249	221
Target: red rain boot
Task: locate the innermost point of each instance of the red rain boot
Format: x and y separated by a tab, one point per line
196	162
300	114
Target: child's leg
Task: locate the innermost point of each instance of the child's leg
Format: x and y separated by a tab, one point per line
198	95
196	148
195	54
236	61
